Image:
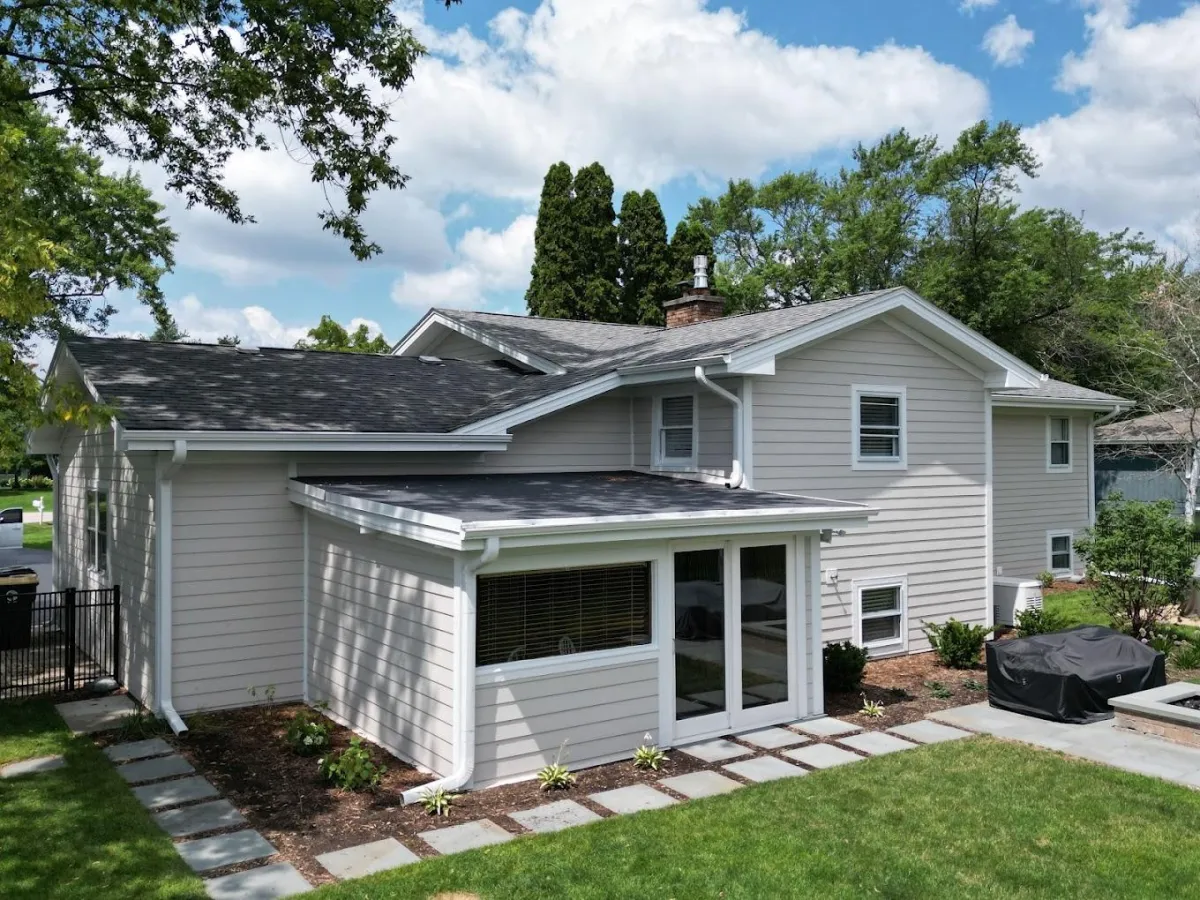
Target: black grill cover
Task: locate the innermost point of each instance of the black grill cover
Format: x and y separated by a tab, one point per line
1069	676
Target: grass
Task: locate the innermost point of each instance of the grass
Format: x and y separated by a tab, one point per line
974	819
1078	607
77	833
38	537
24	499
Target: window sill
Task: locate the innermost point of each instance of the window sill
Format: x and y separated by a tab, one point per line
891	648
880	465
1059	470
525	670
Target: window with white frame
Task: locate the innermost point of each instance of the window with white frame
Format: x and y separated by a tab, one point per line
879	427
97	530
675	432
880	605
1058	447
1059	552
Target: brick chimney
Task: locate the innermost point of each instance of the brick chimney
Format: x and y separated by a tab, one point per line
696	304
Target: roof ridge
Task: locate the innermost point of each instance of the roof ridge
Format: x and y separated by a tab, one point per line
485	312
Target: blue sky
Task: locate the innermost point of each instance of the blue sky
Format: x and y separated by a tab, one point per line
679	95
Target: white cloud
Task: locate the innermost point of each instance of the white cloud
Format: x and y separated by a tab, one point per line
255	325
970	6
1006	42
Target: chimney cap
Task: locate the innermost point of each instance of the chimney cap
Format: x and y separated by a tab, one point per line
700	272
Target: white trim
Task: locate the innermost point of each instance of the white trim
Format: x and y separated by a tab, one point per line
314	441
97	576
999	398
417	340
748	433
816	646
572	663
884	647
989	552
304	603
165	469
1050	536
871	463
1070	464
1091	471
658	461
632	432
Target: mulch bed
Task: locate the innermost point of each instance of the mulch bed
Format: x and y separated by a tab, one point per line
903	685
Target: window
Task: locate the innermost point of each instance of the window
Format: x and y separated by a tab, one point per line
879	428
881	621
1059	552
97	530
675	432
534	615
1058	449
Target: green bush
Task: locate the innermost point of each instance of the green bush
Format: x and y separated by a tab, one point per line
307	734
351	769
956	643
1187	655
844	664
1039	621
1140	557
1046	579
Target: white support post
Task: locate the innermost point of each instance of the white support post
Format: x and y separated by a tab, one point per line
816	644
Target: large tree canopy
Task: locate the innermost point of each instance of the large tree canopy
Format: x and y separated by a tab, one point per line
646	272
329	335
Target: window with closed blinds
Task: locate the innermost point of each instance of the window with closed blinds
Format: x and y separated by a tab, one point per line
534	615
676	442
881	615
878	427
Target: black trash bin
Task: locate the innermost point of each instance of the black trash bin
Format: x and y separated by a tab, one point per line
18	589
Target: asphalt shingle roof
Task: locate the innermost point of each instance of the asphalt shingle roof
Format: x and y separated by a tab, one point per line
1171	426
1058	390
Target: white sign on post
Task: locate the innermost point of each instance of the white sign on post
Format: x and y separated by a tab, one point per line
40	505
12	528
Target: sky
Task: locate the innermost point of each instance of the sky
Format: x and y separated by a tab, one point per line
679	96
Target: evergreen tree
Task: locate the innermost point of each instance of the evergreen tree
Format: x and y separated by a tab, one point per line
169	332
597	255
553	284
646	273
690	240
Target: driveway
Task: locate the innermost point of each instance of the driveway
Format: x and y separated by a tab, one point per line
38	560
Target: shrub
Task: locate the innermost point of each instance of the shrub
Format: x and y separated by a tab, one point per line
1139	556
844	666
1163	643
956	643
1187	655
1039	621
307	734
648	756
351	769
555	777
872	709
437	802
939	690
39	482
1046	579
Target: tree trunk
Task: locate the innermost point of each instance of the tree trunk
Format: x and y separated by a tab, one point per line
1191	484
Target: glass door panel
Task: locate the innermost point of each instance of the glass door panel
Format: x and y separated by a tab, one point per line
700	629
763	625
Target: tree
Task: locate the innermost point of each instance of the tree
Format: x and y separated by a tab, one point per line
229	340
690	240
169	333
646	271
329	335
552	283
597	254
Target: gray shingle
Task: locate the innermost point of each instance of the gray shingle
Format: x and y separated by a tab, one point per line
1057	390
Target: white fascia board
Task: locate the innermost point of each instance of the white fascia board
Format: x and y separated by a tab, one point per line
440	531
1059	403
420	337
314	441
543	406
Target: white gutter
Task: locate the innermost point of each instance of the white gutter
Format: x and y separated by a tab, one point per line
1108	417
464	678
736	474
314	441
164	472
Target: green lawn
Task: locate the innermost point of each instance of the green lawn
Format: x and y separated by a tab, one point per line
972	819
1077	607
38	537
77	833
24	499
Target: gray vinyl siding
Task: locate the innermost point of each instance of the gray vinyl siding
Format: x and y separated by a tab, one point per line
237	571
1029	501
601	714
381	633
88	461
458	346
715	434
932	524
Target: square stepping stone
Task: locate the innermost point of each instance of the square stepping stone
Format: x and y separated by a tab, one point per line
826	726
366	859
764	768
927	732
155	769
773	738
225	850
120	753
468	836
775	691
195	819
172	793
635	798
101	714
555	816
32	766
700	784
715	751
876	743
265	883
822	756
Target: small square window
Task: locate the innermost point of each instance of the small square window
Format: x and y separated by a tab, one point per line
881	615
1060	553
1059	451
879	440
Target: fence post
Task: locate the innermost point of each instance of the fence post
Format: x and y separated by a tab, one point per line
116	624
69	650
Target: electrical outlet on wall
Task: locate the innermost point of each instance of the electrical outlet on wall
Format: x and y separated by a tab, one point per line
831	576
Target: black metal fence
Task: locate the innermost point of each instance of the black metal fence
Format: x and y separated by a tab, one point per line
58	641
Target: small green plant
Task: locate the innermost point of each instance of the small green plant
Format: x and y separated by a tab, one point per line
140	725
872	709
351	769
307	734
556	776
1163	643
939	690
972	685
1046	580
648	755
1039	621
899	693
956	643
1187	655
438	802
844	666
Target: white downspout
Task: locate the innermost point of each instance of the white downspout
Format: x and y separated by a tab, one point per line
304	605
737	475
165	470
464	678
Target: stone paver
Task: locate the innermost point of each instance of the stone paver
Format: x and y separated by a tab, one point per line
700	784
101	714
120	753
191	820
764	768
32	766
172	793
715	751
635	798
773	738
223	850
467	836
822	756
265	883
927	732
366	859
826	727
876	743
155	769
554	816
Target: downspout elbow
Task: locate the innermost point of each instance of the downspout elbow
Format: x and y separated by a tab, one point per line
1108	417
737	475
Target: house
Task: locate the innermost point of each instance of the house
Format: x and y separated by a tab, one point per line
518	532
1149	457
